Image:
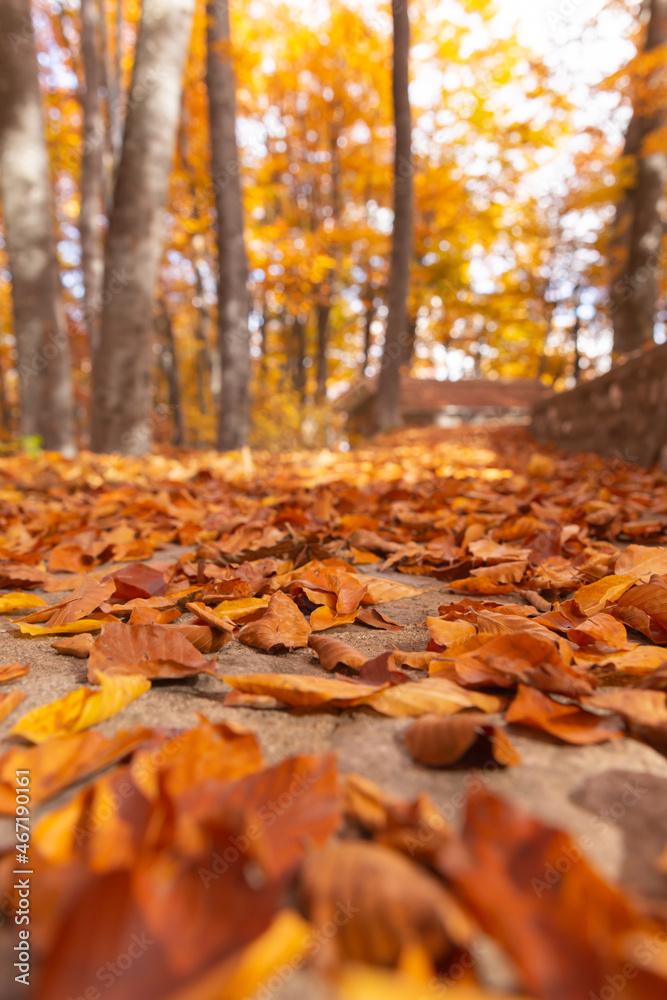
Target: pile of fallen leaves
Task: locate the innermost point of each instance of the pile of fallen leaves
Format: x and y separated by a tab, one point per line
181	867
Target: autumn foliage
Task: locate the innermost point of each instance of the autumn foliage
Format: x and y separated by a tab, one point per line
230	863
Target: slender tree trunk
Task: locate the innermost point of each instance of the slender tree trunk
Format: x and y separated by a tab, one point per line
92	170
387	412
121	419
299	357
233	302
641	221
170	369
369	316
409	345
45	386
323	310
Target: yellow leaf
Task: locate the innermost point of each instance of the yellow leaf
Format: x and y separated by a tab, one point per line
593	597
82	708
239	607
85	625
16	601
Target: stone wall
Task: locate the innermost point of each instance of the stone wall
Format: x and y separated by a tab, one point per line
622	413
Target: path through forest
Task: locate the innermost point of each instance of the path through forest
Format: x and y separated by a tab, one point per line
464	541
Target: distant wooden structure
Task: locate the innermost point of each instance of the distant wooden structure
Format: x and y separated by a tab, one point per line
428	401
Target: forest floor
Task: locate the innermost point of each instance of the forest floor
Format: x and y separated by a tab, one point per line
511	574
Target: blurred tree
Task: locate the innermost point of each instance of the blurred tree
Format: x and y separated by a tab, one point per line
641	215
92	167
233	301
122	405
396	335
39	323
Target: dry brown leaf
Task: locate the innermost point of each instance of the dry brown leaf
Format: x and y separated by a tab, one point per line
10	671
569	723
75	645
440	740
281	628
333	653
153	651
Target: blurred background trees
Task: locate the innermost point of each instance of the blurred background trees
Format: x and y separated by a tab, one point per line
198	239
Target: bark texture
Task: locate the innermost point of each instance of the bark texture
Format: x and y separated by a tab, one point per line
641	220
92	169
45	387
233	302
122	403
387	405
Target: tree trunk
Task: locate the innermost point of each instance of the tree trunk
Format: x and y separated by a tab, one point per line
233	301
641	221
121	419
170	369
408	351
387	413
45	387
92	171
323	310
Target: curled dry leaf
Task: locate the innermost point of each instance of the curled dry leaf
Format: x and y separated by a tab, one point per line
10	671
439	740
393	904
75	645
281	628
570	723
80	709
644	712
521	657
138	580
62	761
432	694
153	651
375	619
300	691
9	701
334	653
203	637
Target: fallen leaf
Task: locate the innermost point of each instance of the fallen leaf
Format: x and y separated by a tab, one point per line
73	628
433	694
440	740
334	653
569	723
9	701
281	628
300	691
80	709
60	762
375	619
382	889
153	651
76	645
10	671
16	601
